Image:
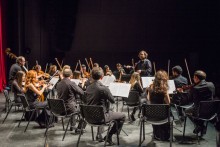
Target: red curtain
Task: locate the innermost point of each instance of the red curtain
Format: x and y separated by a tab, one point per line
2	58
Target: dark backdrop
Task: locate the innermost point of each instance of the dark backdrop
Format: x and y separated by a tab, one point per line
112	31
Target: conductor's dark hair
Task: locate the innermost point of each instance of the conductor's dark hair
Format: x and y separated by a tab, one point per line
200	74
97	73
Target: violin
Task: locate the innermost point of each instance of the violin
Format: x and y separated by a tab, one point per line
185	87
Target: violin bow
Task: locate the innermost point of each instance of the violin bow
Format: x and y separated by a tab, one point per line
58	64
154	68
188	71
168	69
91	62
88	64
76	66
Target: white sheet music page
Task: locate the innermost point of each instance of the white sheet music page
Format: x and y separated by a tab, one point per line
53	82
146	81
77	81
106	80
120	89
172	86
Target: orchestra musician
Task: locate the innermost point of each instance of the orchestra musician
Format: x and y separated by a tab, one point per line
201	90
77	75
18	66
85	74
135	82
107	71
67	90
143	66
64	67
40	74
52	70
119	72
158	94
98	94
18	85
180	97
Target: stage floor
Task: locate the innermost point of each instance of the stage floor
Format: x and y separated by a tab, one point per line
12	136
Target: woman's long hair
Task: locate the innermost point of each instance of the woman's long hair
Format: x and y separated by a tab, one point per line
135	77
160	83
31	77
19	77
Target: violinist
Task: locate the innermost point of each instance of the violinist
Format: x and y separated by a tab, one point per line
64	67
119	72
18	66
52	70
77	75
34	89
180	97
200	91
18	85
107	71
40	73
135	82
84	73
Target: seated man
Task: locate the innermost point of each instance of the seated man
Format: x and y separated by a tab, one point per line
201	91
98	94
67	90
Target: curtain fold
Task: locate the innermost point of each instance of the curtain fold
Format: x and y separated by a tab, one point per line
2	55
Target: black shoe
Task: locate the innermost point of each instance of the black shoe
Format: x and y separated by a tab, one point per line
197	130
77	131
109	140
99	138
132	117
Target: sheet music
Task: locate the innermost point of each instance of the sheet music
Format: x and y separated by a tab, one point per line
106	80
172	86
53	82
77	81
146	81
120	89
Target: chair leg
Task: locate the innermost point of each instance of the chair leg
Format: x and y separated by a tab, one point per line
107	133
30	119
62	124
140	138
21	119
7	114
81	131
184	128
117	132
66	129
92	133
50	121
171	133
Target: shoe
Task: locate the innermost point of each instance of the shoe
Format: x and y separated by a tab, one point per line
197	130
99	138
77	131
132	117
109	140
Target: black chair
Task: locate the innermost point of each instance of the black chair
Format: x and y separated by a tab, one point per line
9	104
155	114
180	101
26	109
95	116
207	111
133	101
58	109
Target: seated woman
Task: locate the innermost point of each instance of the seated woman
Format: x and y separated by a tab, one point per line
18	85
158	94
33	93
135	86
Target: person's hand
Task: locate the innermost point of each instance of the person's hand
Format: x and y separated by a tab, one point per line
139	71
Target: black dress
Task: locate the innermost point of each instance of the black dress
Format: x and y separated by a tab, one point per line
160	132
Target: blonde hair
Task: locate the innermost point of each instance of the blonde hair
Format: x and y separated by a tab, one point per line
135	77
